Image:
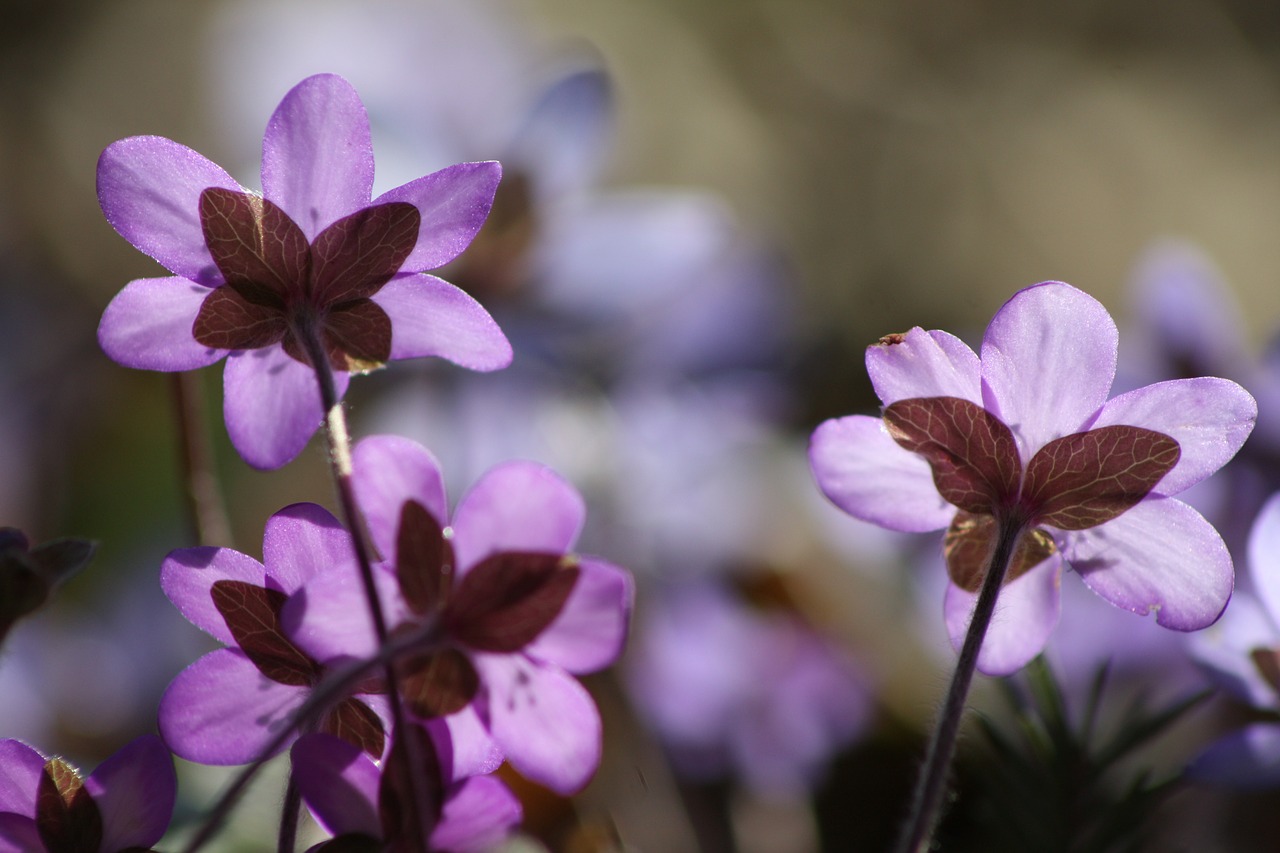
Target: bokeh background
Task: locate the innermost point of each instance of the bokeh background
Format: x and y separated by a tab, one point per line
898	164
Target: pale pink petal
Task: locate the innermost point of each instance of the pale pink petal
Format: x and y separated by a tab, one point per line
472	750
1026	613
317	154
329	618
20	770
430	317
865	473
1160	557
517	506
149	188
187	576
1264	558
271	405
147	326
339	783
134	790
543	719
478	814
302	539
1223	651
454	203
1209	418
1048	361
589	632
221	710
924	364
389	470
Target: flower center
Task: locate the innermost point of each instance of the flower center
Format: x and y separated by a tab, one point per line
280	289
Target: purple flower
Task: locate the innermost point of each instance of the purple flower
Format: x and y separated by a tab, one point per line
1025	433
1242	655
356	800
728	688
225	707
310	266
124	805
508	615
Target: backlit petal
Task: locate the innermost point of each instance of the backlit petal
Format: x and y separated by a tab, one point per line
454	203
1048	360
317	154
149	188
429	317
134	790
302	539
1026	613
478	814
592	626
339	783
865	473
1162	558
1264	558
147	326
20	771
923	364
388	471
188	575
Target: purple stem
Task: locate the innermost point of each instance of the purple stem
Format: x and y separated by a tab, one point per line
927	799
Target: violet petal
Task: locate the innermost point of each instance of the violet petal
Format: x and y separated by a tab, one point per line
454	203
187	576
924	364
431	317
388	471
135	790
147	326
1026	613
339	783
590	630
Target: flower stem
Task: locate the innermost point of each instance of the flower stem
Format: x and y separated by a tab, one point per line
927	798
340	464
203	496
289	813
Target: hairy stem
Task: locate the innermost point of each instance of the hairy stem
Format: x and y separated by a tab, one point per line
201	492
927	798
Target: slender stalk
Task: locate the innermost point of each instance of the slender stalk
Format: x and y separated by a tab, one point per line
340	465
202	494
289	813
927	799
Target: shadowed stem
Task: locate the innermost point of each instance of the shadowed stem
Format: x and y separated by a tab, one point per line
927	798
289	813
201	492
340	465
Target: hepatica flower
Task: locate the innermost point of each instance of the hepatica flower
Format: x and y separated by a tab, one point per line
123	807
309	270
1023	436
507	614
227	706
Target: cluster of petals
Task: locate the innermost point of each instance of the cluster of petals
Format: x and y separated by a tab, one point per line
358	801
123	806
311	264
1241	654
1040	387
228	706
508	614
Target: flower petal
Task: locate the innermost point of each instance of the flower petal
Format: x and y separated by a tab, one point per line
454	203
19	834
865	473
1248	759
1209	418
924	364
302	539
149	188
1048	361
147	326
1160	557
317	154
472	751
516	506
478	814
134	790
187	576
1026	613
328	618
563	137
543	720
429	316
389	470
591	628
271	405
1224	651
20	770
339	784
221	710
1264	557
